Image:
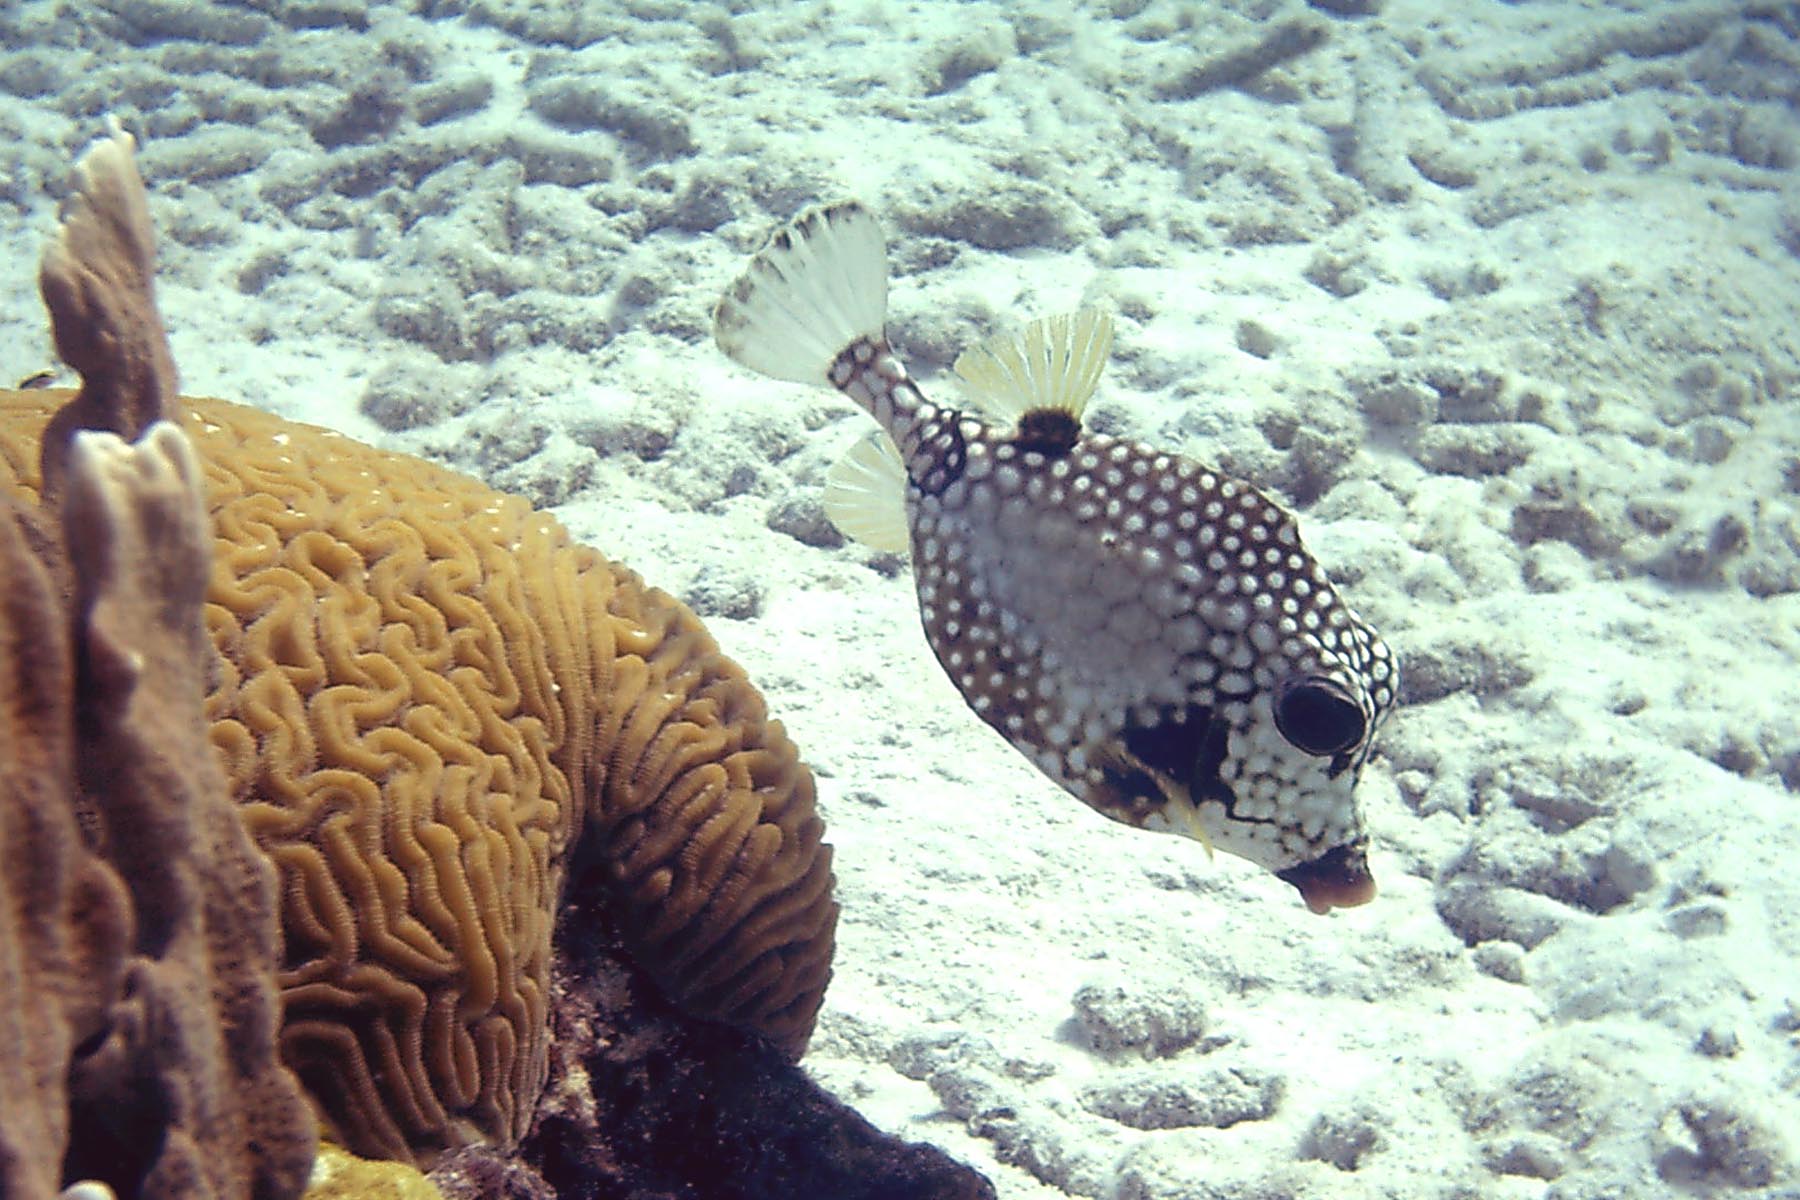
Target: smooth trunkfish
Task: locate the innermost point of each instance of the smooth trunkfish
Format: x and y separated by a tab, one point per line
1147	630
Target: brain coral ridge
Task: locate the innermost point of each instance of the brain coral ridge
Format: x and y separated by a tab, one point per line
427	700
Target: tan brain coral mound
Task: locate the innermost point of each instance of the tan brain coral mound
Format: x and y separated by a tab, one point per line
425	692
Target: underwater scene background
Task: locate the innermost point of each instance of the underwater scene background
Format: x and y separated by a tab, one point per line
1502	301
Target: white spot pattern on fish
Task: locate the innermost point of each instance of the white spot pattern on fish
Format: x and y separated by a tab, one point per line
1151	633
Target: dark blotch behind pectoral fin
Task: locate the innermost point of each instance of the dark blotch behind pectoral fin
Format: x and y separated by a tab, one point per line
1180	751
1186	745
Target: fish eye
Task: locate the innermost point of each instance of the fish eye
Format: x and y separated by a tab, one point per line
1318	715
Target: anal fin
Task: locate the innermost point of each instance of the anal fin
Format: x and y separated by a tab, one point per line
865	495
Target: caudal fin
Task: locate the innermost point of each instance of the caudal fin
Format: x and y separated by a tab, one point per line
819	284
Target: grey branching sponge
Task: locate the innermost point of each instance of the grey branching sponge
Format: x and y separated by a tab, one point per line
138	929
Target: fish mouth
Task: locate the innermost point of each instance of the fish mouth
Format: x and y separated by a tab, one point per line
1338	878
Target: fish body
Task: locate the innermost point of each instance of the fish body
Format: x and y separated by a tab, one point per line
1148	631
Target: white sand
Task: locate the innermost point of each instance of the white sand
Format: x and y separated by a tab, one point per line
1505	301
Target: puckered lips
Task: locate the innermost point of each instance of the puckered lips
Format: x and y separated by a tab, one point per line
1339	878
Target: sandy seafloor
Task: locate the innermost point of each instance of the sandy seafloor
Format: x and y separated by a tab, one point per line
1505	302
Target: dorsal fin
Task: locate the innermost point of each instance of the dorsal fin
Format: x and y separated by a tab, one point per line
865	495
1051	363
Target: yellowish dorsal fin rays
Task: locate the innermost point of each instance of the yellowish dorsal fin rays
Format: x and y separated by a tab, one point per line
1054	363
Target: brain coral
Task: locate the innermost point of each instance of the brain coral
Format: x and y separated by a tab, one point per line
427	700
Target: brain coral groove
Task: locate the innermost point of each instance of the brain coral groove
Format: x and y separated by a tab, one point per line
426	698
